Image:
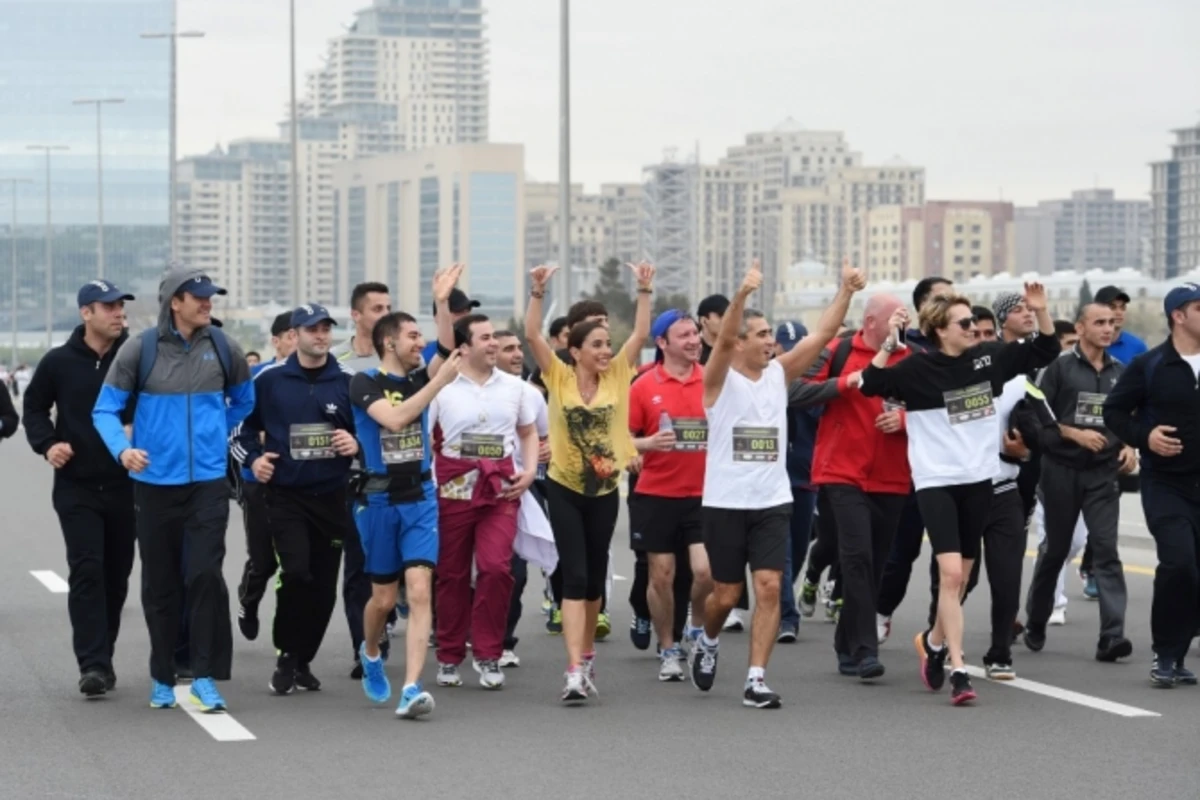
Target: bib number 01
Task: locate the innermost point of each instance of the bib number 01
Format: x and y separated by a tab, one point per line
311	442
755	444
1089	409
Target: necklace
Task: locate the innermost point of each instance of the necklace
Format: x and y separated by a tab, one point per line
588	393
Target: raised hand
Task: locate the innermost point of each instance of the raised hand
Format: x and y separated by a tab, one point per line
444	281
852	278
899	319
753	280
644	272
541	275
1035	296
448	371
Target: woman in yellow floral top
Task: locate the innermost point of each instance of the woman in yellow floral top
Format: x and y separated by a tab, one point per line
589	446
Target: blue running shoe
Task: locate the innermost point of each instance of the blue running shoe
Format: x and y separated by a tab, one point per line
161	695
414	702
1090	590
374	679
205	695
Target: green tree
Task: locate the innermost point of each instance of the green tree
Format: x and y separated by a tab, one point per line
1085	294
610	290
667	302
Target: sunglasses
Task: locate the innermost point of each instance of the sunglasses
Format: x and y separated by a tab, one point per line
967	322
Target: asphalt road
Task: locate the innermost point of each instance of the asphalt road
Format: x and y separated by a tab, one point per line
833	737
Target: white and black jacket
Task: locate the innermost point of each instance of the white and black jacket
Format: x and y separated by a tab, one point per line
951	415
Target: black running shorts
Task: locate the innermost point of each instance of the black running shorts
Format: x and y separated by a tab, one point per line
736	538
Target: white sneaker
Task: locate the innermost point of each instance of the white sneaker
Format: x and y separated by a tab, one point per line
490	674
734	621
883	627
509	658
1058	616
448	675
671	668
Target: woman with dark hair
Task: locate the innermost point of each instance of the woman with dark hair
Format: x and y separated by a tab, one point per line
952	427
589	444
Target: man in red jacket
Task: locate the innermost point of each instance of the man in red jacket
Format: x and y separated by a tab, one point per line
861	464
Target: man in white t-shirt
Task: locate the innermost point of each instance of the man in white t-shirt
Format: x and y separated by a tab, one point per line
747	500
482	418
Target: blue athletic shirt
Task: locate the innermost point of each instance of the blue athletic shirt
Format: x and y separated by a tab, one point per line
396	463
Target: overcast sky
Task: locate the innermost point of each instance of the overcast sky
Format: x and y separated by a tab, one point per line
1027	99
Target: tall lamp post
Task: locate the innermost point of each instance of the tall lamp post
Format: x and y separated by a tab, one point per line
48	149
12	237
297	273
564	148
98	102
174	36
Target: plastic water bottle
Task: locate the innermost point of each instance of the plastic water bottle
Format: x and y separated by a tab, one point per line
664	422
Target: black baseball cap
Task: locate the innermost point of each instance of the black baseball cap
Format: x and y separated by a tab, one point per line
101	292
1107	295
282	324
713	304
459	302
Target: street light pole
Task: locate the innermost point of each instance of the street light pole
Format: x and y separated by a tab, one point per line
97	102
48	149
297	272
12	237
564	149
173	36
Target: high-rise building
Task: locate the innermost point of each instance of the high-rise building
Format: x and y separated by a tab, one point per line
401	217
52	53
1175	200
1090	230
957	239
670	226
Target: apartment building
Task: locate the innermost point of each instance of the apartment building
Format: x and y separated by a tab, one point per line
1090	230
958	239
1175	202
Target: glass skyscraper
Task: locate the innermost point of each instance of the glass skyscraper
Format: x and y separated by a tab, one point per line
53	52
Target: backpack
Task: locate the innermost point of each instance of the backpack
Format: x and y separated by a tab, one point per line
841	354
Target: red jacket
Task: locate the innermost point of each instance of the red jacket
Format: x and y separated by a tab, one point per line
849	448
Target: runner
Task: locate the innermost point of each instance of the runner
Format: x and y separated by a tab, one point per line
192	388
298	442
396	508
747	495
1155	407
1079	475
92	495
666	413
590	445
511	359
709	314
484	417
1125	346
985	324
952	431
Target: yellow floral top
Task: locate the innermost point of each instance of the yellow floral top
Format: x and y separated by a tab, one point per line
589	443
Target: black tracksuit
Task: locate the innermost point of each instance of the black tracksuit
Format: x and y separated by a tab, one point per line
92	495
1160	388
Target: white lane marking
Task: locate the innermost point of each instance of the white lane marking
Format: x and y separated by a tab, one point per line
49	578
221	727
1066	695
619	578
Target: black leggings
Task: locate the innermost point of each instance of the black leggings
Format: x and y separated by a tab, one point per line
955	516
583	530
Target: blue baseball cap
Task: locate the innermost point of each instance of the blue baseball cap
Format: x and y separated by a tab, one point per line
1180	296
787	334
311	314
665	320
201	287
101	292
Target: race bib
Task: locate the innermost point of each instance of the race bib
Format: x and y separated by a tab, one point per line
1089	409
691	434
311	442
404	447
969	404
482	445
891	405
755	444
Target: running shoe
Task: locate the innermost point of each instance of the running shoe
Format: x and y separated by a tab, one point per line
161	695
509	658
92	684
110	680
999	670
833	611
248	622
1058	616
960	687
759	695
490	674
206	697
589	672
734	622
639	633
1162	673
1110	648
1090	590
356	672
547	606
1183	675
688	640
603	626
554	623
806	601
374	679
414	702
447	675
670	669
306	680
575	692
870	668
787	633
1034	640
704	666
933	662
284	680
883	627
846	666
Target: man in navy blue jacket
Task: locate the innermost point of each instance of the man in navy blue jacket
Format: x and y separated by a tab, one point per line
299	441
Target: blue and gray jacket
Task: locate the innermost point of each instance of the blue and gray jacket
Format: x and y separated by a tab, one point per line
188	404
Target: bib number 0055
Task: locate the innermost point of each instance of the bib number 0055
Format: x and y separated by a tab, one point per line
755	444
969	404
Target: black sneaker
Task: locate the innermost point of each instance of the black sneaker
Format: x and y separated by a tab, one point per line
248	622
1162	673
110	680
704	666
1034	638
284	680
960	688
869	669
306	680
91	684
933	662
1111	648
846	665
788	633
1183	675
356	673
759	695
639	633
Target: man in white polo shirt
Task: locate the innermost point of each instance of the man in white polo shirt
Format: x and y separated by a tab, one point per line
482	418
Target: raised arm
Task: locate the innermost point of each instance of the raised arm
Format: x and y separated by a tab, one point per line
542	353
796	361
397	417
721	357
444	282
632	349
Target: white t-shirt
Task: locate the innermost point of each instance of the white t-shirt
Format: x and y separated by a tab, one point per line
542	422
746	467
1195	362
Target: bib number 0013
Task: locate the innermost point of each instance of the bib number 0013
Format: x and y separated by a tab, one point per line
755	444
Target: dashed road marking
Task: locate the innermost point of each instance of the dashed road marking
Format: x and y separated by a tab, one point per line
221	727
1133	568
50	579
1068	696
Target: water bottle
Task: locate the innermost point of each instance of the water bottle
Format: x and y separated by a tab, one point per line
664	422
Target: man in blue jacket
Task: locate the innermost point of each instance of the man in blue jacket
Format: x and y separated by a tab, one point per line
192	387
298	441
